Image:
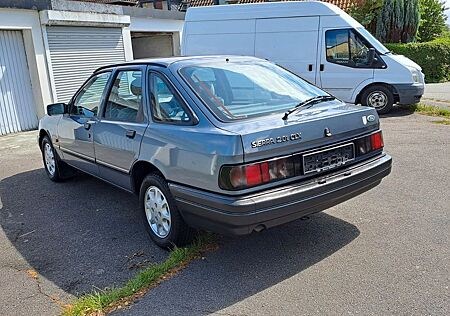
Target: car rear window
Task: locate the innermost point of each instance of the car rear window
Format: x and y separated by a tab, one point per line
240	90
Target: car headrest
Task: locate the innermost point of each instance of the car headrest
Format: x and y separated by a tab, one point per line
135	87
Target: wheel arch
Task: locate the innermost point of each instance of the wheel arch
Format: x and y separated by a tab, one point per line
139	171
373	84
42	134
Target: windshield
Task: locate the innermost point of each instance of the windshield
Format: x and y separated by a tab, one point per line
240	90
372	40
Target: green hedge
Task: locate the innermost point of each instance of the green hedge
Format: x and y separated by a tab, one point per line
433	57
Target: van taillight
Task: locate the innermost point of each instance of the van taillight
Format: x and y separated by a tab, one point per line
246	176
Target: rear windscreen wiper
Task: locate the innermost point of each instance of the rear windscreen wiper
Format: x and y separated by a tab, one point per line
320	98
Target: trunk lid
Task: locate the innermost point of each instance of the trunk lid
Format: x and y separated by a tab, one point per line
321	125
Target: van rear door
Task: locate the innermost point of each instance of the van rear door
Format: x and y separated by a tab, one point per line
343	62
289	42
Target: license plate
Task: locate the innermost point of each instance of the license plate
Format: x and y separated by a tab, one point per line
328	159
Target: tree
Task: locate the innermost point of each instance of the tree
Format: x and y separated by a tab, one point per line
391	21
432	20
411	21
366	13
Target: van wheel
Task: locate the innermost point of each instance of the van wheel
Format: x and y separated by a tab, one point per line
378	97
161	217
56	169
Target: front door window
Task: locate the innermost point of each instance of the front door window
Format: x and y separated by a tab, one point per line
87	101
347	48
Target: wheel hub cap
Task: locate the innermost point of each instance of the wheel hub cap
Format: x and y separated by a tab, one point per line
377	99
157	212
49	159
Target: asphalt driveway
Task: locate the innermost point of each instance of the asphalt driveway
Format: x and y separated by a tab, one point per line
63	239
385	252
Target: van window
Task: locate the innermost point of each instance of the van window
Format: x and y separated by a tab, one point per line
240	90
347	48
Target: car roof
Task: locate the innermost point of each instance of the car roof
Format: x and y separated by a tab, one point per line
186	60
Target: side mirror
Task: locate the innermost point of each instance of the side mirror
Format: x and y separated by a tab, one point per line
371	56
56	108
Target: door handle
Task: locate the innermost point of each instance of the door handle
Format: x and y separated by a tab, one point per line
322	67
310	67
87	125
131	133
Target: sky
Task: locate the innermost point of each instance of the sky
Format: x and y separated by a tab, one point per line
448	11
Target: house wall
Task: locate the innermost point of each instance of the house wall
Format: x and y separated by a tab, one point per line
34	23
28	22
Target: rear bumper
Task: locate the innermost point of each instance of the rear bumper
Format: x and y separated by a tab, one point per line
242	215
409	93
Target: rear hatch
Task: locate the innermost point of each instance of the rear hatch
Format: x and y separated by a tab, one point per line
321	125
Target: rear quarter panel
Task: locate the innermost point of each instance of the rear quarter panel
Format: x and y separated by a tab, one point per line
190	155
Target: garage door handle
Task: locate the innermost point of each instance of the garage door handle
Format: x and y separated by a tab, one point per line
131	133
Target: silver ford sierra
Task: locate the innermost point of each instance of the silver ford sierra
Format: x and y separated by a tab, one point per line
228	144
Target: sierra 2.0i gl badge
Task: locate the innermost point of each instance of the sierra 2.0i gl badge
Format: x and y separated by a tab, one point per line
276	140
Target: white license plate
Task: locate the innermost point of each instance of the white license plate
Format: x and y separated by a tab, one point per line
327	159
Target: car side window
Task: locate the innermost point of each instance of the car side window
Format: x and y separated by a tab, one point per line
124	102
87	102
347	48
166	106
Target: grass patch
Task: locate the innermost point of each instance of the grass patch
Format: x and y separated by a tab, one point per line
104	301
430	110
442	122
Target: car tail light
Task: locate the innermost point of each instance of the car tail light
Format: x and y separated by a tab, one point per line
249	175
377	141
367	144
254	174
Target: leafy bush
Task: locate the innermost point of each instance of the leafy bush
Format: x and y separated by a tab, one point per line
432	20
433	57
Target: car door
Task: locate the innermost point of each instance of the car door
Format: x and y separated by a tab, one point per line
344	62
75	132
118	131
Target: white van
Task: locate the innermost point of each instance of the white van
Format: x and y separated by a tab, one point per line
316	40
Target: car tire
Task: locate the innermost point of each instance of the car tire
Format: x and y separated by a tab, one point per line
160	214
54	167
378	97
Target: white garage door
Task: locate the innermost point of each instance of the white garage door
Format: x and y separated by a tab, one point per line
75	52
17	107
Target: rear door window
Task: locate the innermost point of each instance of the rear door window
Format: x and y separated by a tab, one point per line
124	102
